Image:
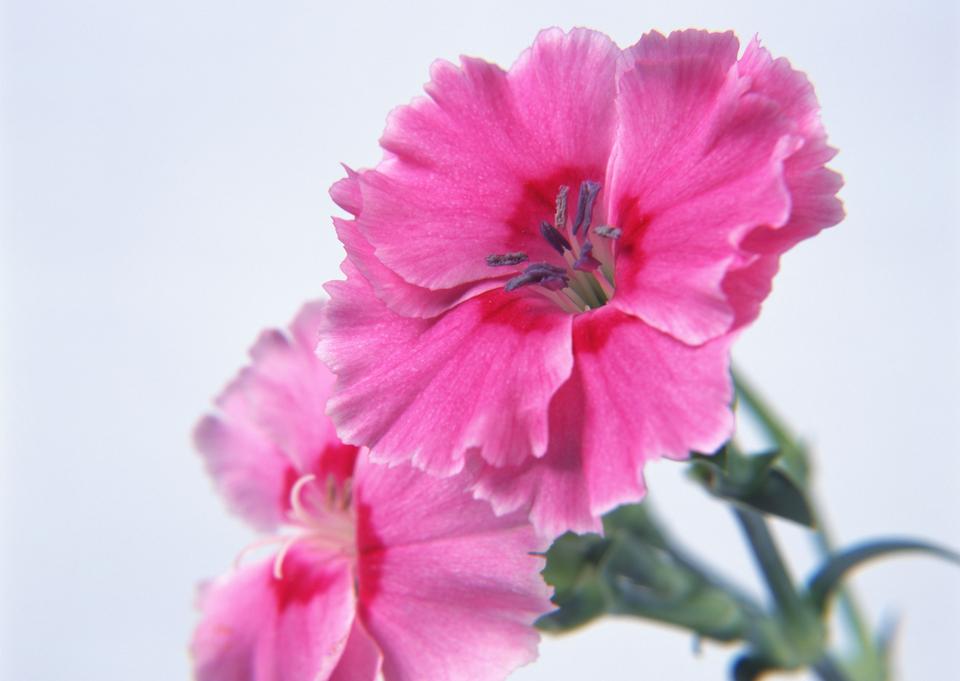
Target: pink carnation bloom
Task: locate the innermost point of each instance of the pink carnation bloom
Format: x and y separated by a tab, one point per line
387	569
548	268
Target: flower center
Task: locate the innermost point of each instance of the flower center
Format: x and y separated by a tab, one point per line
586	279
323	519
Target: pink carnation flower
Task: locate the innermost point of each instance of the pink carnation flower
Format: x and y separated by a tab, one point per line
387	569
548	268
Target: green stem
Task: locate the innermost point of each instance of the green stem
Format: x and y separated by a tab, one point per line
828	670
686	559
769	560
778	431
772	423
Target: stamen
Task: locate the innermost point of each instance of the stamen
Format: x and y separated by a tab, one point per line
608	232
561	216
549	276
585	199
278	561
506	259
555	238
586	262
253	546
299	512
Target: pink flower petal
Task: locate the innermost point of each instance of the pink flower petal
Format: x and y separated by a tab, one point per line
361	659
257	628
635	394
697	165
427	390
813	188
448	589
271	428
400	296
473	169
552	489
645	395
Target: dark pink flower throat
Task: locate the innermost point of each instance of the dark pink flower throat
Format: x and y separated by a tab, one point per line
585	281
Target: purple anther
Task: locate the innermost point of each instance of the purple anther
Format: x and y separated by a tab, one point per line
561	216
506	259
520	280
554	283
554	238
608	232
543	273
586	262
588	194
545	269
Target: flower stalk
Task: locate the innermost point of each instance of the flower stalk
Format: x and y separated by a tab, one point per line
637	568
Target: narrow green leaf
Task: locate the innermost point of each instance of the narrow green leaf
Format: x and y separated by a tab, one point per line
756	482
830	575
778	495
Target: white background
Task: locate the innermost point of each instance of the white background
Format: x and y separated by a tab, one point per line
165	167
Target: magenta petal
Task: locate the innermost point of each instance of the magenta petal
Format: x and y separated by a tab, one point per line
257	628
645	395
812	186
635	394
427	390
271	428
361	659
697	165
553	489
448	589
400	296
473	169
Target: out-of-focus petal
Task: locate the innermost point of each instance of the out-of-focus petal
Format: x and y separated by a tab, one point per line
474	169
428	390
697	165
361	659
258	628
270	429
448	589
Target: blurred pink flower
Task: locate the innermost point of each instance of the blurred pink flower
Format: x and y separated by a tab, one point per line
387	569
550	264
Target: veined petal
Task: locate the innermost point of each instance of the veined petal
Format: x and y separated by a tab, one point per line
448	589
400	296
477	377
258	628
645	396
271	428
697	165
474	169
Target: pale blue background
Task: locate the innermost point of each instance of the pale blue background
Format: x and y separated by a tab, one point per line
165	167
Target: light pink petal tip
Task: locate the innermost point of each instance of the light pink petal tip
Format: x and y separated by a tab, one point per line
429	390
448	589
255	627
270	429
